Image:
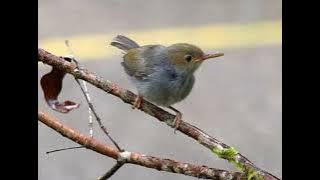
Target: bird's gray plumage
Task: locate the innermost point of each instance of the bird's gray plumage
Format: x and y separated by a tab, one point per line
155	78
124	43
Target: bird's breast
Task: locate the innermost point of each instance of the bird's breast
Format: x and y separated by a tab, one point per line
182	86
166	89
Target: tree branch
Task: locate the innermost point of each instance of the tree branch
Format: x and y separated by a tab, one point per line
160	164
219	148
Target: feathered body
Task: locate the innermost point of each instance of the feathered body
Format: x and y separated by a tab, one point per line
153	70
162	75
159	82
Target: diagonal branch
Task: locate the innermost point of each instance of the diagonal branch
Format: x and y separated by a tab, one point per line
222	150
160	164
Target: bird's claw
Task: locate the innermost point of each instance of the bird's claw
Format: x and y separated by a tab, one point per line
177	121
137	103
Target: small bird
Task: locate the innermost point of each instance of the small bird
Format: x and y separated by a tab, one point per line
162	75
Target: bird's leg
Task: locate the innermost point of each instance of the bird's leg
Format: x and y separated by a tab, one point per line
177	119
137	102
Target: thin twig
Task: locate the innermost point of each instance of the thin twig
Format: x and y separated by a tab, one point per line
91	110
62	149
113	170
99	120
85	92
157	163
214	145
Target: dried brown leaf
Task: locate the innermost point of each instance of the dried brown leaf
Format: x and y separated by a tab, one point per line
51	84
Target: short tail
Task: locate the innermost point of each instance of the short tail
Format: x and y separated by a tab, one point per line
124	43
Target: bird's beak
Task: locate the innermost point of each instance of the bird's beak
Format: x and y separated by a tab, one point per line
208	56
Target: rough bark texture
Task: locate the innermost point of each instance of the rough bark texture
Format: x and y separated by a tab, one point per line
157	163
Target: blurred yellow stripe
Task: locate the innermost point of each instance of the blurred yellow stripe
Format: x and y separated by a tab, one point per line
210	37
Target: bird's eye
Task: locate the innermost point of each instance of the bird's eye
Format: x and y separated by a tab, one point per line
188	58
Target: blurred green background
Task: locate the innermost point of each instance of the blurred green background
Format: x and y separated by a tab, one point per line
237	99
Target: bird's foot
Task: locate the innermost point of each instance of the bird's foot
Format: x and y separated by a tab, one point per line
137	103
177	120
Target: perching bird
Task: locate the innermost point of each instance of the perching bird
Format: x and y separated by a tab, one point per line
162	75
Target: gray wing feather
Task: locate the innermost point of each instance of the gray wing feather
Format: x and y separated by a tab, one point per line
124	43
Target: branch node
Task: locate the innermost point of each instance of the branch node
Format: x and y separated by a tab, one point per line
124	156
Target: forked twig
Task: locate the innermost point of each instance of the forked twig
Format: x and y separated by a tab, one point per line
86	94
